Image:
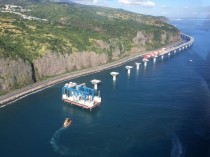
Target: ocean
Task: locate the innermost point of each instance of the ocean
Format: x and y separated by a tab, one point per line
162	110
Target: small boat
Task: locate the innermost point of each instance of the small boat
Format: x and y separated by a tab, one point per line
67	122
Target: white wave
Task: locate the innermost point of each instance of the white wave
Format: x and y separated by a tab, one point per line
2	106
177	148
63	150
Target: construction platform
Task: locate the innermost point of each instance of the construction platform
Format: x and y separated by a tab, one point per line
80	95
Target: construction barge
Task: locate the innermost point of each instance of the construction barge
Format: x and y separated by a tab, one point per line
80	95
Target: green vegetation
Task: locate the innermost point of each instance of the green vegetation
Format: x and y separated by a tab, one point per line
72	28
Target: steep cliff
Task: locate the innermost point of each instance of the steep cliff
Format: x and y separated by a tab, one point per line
14	74
52	63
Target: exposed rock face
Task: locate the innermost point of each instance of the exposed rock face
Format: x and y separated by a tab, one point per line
14	73
52	63
174	37
140	39
116	48
163	37
102	44
149	38
166	37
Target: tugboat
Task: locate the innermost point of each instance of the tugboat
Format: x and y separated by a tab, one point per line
67	122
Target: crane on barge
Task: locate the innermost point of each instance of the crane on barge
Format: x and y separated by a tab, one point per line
80	95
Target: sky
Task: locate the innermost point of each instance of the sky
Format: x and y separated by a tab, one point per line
168	8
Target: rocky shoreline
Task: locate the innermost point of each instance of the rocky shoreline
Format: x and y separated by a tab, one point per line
35	87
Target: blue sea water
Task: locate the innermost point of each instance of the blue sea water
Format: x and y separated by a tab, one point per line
162	110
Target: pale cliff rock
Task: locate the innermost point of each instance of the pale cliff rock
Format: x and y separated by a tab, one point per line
117	48
149	38
14	73
102	44
174	37
140	39
53	63
163	37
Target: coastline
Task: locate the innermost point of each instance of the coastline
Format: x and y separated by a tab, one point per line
36	87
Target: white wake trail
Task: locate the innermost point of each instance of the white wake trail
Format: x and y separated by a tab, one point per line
177	147
55	143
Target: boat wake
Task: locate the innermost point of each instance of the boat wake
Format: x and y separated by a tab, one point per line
177	147
63	150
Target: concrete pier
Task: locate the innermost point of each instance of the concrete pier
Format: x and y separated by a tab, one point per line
95	83
114	74
154	59
137	65
129	69
145	63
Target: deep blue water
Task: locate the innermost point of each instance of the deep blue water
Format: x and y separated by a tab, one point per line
159	111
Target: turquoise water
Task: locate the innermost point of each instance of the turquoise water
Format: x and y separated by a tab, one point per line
162	110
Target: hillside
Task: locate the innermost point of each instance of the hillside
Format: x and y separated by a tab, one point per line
43	39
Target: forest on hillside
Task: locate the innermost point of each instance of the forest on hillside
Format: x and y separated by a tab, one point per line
72	28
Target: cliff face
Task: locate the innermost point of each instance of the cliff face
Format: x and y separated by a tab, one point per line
166	38
14	74
52	63
17	73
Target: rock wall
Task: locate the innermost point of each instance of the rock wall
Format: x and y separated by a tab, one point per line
53	63
166	37
14	73
140	39
174	37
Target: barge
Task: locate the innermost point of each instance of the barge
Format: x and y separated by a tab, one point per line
80	95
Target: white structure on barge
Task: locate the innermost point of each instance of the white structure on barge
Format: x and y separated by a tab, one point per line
80	95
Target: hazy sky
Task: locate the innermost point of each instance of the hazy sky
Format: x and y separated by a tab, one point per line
168	8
